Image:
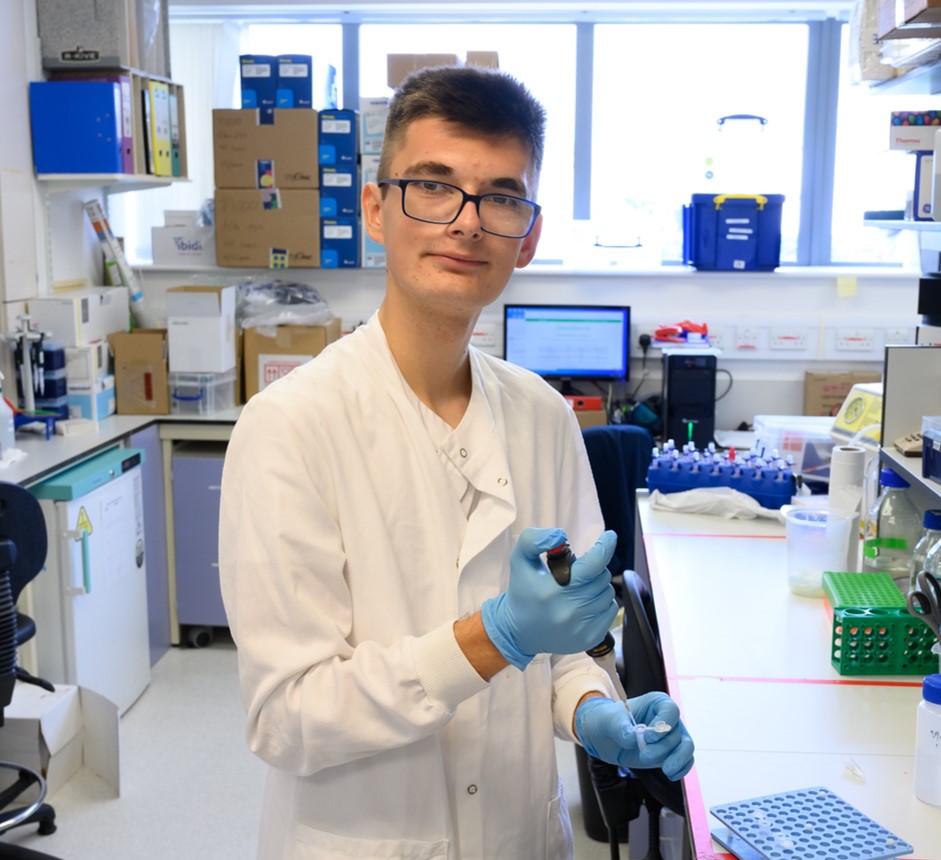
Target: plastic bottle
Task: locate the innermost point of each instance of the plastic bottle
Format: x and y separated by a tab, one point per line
893	527
928	742
7	432
931	534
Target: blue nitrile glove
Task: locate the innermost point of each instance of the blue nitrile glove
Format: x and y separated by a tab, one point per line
605	730
536	615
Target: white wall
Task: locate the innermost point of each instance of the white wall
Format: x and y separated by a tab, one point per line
769	382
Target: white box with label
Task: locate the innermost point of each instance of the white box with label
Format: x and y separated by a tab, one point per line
79	317
201	329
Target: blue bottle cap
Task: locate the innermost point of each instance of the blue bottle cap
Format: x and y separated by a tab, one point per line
932	519
888	478
931	689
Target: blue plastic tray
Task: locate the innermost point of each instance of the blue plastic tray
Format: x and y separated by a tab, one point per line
805	823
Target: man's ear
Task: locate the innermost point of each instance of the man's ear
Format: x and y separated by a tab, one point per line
528	248
372	208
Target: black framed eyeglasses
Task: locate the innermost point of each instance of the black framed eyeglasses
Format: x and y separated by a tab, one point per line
440	203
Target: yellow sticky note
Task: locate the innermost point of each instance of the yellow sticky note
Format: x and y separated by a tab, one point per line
846	286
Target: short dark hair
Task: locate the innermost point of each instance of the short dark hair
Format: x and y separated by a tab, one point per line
487	101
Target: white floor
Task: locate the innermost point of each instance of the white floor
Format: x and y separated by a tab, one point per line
190	788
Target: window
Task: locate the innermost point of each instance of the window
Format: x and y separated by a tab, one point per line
659	91
868	175
541	56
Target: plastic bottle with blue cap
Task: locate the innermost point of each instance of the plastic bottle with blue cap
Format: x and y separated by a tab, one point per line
928	543
893	527
928	742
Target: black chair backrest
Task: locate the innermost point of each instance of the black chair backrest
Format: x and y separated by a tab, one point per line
23	525
23	546
619	455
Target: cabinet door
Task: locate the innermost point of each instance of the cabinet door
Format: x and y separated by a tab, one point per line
197	479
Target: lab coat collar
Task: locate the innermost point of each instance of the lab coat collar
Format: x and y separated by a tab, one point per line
486	465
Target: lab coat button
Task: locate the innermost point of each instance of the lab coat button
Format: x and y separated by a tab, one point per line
472	789
463	452
502	482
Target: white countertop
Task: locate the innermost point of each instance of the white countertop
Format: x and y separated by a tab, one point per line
46	456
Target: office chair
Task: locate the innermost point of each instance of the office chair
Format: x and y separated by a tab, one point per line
619	455
23	545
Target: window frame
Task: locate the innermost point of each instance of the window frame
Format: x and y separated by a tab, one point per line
824	23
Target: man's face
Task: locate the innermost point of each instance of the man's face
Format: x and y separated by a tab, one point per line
454	267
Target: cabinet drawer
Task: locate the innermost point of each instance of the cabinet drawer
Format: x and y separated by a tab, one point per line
197	479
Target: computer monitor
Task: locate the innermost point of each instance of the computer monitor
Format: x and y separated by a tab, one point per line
568	342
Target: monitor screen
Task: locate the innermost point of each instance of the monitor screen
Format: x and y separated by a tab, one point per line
568	341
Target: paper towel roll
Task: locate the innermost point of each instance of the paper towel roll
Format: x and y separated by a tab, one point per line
847	477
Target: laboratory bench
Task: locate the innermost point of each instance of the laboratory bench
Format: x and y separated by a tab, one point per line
175	538
749	664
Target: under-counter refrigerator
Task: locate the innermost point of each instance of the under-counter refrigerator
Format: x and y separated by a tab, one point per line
90	601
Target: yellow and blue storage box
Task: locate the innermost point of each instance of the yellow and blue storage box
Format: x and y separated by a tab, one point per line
733	232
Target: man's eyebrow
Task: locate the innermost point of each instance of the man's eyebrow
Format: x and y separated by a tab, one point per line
510	184
428	168
437	168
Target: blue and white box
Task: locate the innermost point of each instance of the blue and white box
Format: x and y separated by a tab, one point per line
339	191
95	402
259	79
372	124
295	82
339	243
338	137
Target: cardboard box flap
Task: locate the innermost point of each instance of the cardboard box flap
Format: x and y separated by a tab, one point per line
141	345
101	753
199	301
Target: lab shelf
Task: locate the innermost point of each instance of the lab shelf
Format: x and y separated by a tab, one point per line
113	183
924	79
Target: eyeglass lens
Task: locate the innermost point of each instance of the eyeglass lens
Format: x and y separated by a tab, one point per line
440	203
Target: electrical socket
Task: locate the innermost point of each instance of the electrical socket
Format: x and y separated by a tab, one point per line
900	334
791	339
747	338
854	339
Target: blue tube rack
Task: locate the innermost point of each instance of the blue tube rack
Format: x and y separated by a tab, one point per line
765	477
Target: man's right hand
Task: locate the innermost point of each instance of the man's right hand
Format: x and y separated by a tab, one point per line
536	615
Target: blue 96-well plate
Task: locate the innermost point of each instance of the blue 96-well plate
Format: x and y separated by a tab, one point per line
802	824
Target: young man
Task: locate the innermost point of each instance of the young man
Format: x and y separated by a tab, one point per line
405	658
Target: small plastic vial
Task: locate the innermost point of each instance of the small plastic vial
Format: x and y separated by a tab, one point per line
928	742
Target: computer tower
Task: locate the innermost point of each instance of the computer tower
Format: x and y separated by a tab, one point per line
689	397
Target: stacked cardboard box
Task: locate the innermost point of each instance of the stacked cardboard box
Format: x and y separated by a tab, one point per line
267	189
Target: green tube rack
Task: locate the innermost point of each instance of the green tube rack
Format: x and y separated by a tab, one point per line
873	631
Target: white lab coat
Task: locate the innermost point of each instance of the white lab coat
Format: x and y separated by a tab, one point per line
343	569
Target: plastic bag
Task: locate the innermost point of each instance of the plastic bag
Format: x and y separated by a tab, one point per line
264	301
716	501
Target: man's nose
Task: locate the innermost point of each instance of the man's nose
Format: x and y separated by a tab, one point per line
468	218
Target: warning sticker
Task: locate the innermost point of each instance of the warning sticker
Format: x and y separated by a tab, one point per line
83	523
